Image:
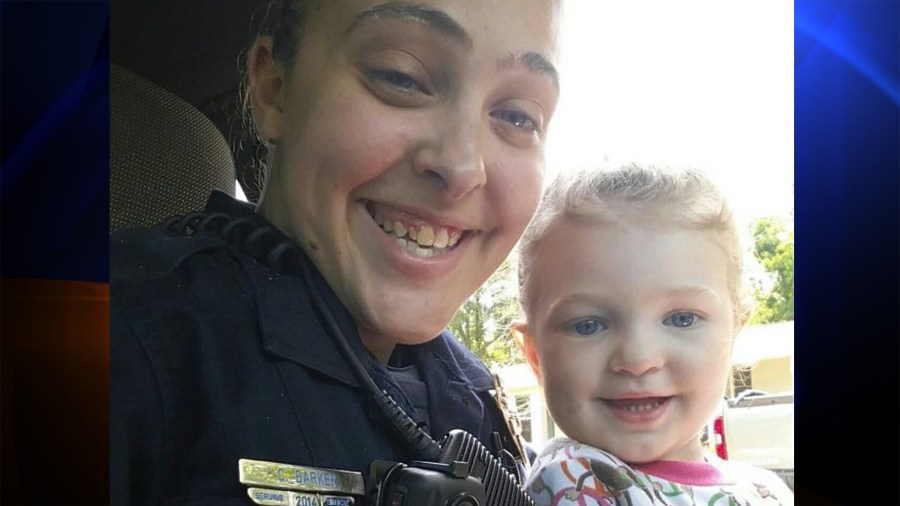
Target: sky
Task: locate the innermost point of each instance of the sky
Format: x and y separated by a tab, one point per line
694	83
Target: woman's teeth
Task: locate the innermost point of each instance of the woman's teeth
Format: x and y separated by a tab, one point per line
421	241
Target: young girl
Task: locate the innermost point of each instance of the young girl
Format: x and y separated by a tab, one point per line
629	280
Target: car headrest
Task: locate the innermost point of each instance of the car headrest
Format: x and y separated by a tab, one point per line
165	155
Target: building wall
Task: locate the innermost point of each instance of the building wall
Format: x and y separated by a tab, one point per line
773	375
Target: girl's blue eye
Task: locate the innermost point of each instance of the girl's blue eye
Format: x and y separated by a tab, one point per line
588	327
682	319
516	119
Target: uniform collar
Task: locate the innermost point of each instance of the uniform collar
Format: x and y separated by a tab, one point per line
292	329
287	319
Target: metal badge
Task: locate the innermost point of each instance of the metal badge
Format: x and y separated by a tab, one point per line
270	497
302	478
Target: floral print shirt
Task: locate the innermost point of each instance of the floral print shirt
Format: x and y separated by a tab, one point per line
569	473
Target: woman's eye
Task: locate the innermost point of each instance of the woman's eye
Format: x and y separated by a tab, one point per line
681	319
517	119
397	79
588	327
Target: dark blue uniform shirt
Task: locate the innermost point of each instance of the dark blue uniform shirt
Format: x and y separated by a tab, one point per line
216	355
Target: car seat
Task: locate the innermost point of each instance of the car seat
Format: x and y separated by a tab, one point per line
165	155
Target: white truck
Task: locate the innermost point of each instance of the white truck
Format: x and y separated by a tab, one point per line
757	428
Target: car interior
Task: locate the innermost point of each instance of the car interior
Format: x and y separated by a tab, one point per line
176	121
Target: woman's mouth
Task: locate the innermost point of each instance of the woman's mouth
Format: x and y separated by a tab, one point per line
414	235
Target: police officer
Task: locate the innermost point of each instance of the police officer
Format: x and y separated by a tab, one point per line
405	157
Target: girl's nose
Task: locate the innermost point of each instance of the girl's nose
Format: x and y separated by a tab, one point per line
638	352
453	160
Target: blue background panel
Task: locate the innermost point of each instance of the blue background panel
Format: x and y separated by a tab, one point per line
847	218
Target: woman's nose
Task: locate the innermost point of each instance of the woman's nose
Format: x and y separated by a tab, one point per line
638	352
453	159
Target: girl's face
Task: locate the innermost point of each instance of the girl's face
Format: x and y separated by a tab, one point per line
630	329
409	150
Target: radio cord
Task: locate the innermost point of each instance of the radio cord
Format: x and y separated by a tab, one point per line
420	444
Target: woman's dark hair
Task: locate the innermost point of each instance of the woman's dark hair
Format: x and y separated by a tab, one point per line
283	20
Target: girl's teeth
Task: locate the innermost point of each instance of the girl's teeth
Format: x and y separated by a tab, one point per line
641	407
399	229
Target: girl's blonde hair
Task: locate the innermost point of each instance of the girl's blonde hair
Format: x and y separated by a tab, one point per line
685	198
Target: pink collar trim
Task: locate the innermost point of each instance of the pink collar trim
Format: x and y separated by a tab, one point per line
684	472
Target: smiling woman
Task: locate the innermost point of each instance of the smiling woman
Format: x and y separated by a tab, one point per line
395	135
394	111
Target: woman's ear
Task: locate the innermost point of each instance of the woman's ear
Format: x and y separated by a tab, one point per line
265	89
524	340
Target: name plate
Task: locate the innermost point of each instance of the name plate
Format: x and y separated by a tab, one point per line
302	478
269	497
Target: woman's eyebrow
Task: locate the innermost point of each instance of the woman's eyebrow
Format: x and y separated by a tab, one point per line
437	20
442	23
532	61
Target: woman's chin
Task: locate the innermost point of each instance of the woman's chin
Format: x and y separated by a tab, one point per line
402	329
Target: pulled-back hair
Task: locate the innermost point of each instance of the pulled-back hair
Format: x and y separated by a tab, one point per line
684	198
283	20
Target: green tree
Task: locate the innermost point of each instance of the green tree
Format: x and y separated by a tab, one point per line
773	246
482	322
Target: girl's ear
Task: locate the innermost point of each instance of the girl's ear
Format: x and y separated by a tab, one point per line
743	311
265	89
524	340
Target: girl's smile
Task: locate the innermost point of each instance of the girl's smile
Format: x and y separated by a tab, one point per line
638	411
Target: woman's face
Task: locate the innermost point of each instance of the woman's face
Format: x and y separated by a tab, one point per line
409	150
